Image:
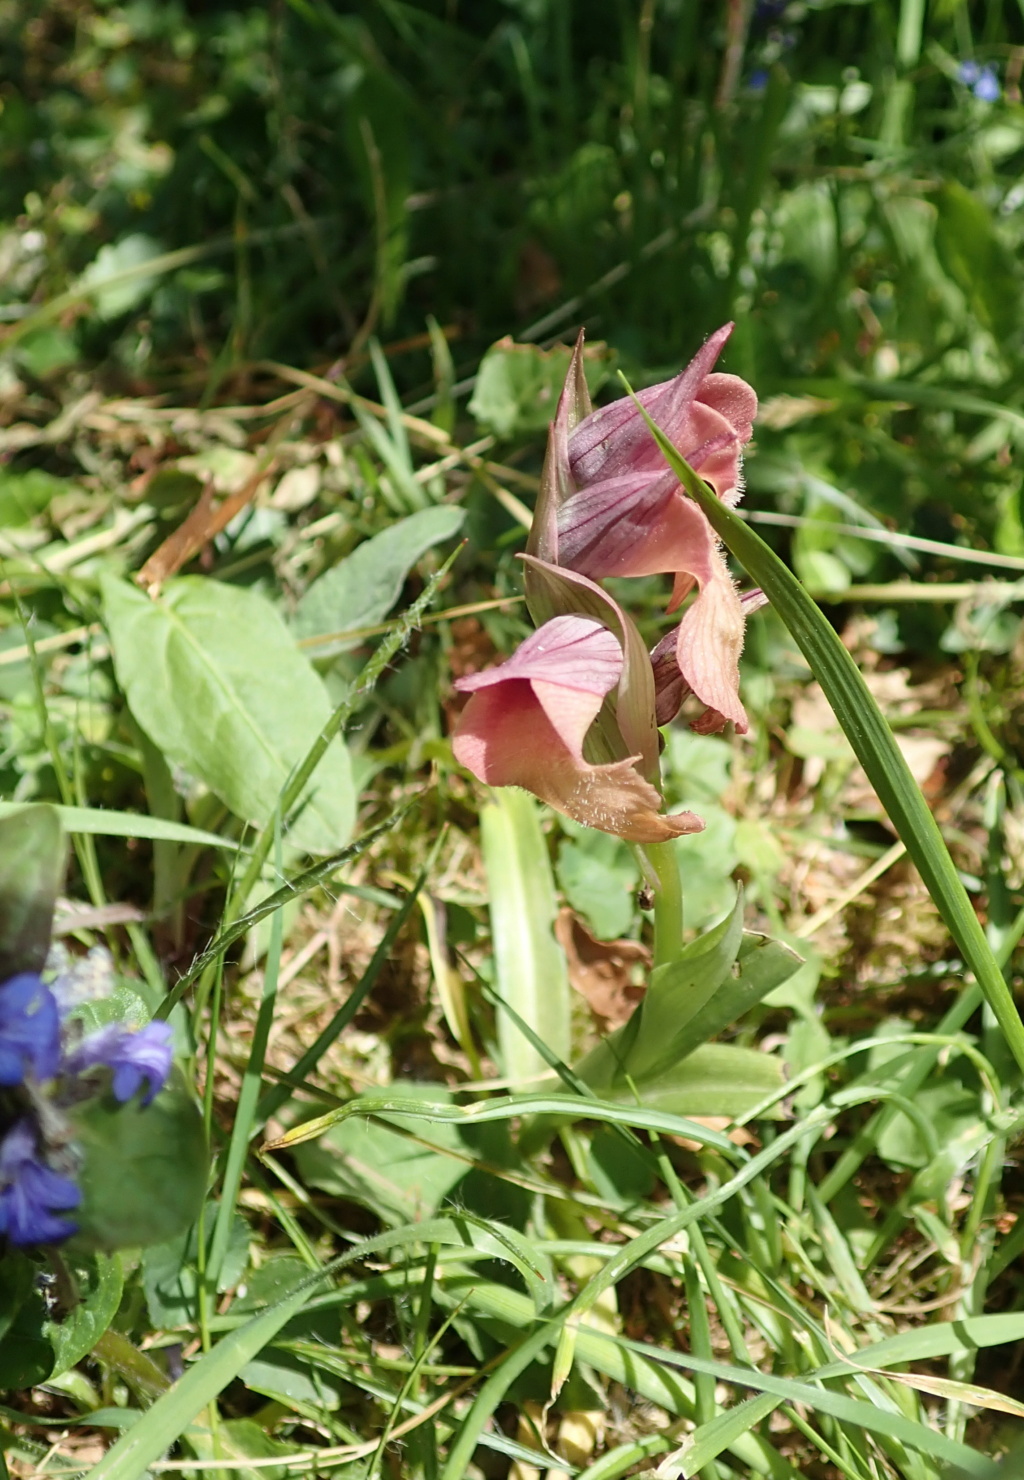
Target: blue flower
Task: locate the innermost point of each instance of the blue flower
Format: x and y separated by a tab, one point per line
982	81
29	1030
135	1058
758	80
31	1192
987	86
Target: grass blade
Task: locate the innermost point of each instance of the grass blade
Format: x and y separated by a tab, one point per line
869	735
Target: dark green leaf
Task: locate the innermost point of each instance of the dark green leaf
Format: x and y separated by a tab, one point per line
100	1281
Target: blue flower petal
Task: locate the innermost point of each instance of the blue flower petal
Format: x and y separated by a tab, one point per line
29	1030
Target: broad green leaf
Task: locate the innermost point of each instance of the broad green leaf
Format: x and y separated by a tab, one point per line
213	676
399	1178
73	1337
240	1439
33	856
170	1275
708	988
598	876
715	1079
872	740
976	257
104	824
530	969
361	589
17	1281
677	990
518	385
144	1170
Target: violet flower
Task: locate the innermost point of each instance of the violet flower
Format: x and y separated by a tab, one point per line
136	1058
31	1192
609	506
527	721
29	1030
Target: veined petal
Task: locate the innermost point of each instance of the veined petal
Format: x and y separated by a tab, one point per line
570	652
551	590
599	527
614	440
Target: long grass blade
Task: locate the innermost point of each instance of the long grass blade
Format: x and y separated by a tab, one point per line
869	735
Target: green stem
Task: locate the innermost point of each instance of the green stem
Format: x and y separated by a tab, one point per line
668	903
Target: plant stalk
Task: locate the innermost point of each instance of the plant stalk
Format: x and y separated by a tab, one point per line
668	902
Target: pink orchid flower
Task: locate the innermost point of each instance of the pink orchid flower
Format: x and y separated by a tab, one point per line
610	507
527	721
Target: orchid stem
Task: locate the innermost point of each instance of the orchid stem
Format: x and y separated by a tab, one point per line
668	902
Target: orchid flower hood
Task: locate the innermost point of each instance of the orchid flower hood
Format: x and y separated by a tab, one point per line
609	506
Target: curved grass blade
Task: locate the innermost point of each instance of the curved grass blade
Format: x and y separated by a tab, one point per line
869	735
513	1107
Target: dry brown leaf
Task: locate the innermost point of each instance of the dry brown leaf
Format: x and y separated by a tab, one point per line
602	970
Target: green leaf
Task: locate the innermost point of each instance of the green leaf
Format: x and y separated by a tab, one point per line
213	676
170	1275
242	1439
518	385
715	1079
24	495
976	257
513	1107
26	1355
872	740
116	279
145	1167
400	1179
761	965
17	1281
360	590
598	874
100	1284
710	985
530	969
33	857
679	989
98	821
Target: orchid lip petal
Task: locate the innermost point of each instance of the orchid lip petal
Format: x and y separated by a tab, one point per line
528	718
